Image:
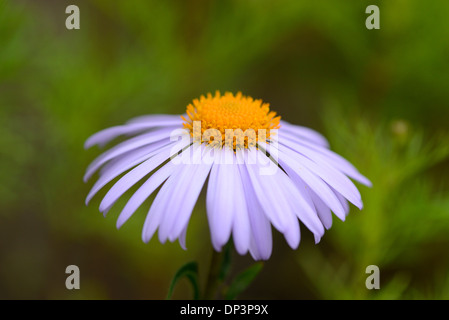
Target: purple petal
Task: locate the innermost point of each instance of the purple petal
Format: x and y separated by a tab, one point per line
254	250
269	194
184	197
157	209
330	175
126	146
241	229
313	151
299	132
132	177
343	201
324	213
315	183
278	197
182	238
110	165
220	201
190	200
261	241
145	191
301	204
102	137
304	205
123	164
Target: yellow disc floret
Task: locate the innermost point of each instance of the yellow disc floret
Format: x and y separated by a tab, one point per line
218	119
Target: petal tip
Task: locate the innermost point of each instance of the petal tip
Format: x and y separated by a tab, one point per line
87	145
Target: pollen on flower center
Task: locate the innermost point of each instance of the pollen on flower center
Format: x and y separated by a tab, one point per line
218	119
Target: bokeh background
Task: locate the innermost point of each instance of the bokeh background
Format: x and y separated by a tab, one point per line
380	96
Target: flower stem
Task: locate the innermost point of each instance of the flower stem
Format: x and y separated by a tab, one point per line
213	278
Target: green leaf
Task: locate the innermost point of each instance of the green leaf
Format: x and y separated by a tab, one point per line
190	271
243	280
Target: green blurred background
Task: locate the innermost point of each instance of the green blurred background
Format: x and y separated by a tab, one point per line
380	96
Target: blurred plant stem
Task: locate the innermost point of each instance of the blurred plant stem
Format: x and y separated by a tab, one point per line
213	278
219	268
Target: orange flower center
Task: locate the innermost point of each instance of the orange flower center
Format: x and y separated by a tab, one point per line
233	120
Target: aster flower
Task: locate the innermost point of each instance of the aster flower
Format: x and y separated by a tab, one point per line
259	170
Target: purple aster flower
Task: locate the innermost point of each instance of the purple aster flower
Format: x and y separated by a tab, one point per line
259	170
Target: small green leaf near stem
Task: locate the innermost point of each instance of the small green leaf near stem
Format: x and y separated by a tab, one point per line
243	280
190	271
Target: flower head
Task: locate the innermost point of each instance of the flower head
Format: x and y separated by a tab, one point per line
260	171
223	117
